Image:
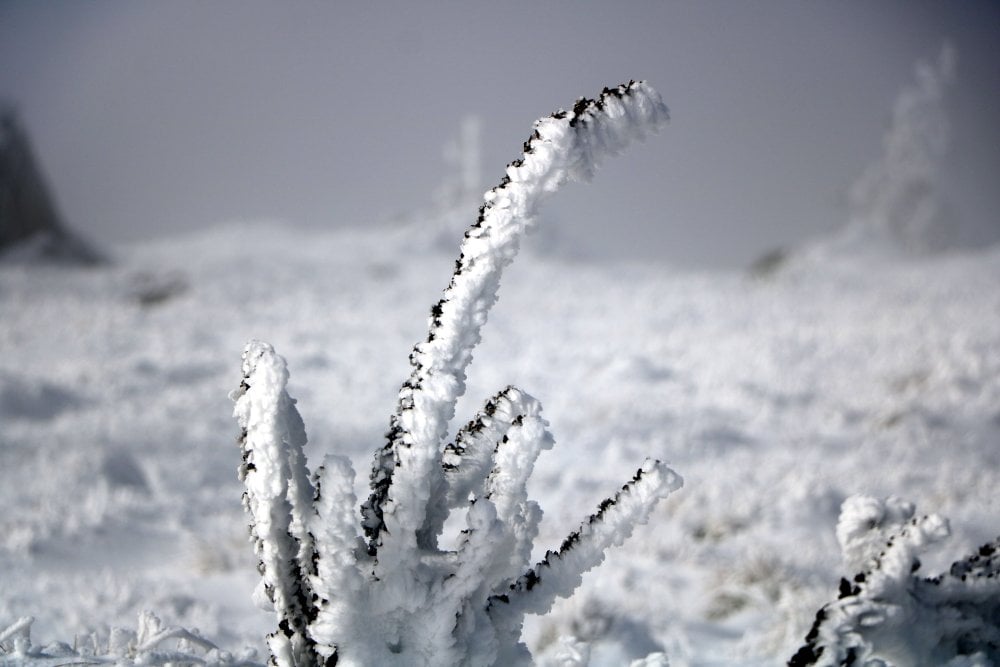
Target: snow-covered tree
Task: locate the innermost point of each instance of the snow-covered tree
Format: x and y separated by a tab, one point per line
897	204
381	591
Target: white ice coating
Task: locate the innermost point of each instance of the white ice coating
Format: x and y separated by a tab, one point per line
560	573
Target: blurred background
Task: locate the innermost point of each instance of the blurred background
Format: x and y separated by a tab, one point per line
150	119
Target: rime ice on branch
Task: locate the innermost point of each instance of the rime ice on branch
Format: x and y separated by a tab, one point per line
888	613
278	495
395	598
565	146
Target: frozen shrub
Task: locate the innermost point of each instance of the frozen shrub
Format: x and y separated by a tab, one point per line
889	615
379	590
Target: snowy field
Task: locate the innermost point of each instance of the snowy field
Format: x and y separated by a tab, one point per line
775	397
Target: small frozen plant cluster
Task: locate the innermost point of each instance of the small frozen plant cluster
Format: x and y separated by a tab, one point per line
152	643
888	614
371	585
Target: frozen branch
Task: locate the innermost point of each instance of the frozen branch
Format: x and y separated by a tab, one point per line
278	493
564	146
560	572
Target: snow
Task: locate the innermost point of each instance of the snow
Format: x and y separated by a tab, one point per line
776	400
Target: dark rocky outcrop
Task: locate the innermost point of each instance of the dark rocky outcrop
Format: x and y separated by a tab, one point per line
31	228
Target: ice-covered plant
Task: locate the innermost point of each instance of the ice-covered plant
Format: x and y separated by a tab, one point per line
376	588
151	644
888	614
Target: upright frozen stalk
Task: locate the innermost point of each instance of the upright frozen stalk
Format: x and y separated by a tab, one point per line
565	146
278	498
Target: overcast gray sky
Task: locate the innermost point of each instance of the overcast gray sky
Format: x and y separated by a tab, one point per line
151	118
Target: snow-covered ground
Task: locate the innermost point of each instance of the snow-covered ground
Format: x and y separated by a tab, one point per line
775	397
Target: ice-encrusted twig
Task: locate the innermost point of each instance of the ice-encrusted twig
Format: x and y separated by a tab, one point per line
338	578
19	628
502	523
145	644
468	461
887	612
560	572
564	146
278	496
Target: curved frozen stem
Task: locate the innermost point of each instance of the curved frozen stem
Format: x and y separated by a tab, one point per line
567	145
